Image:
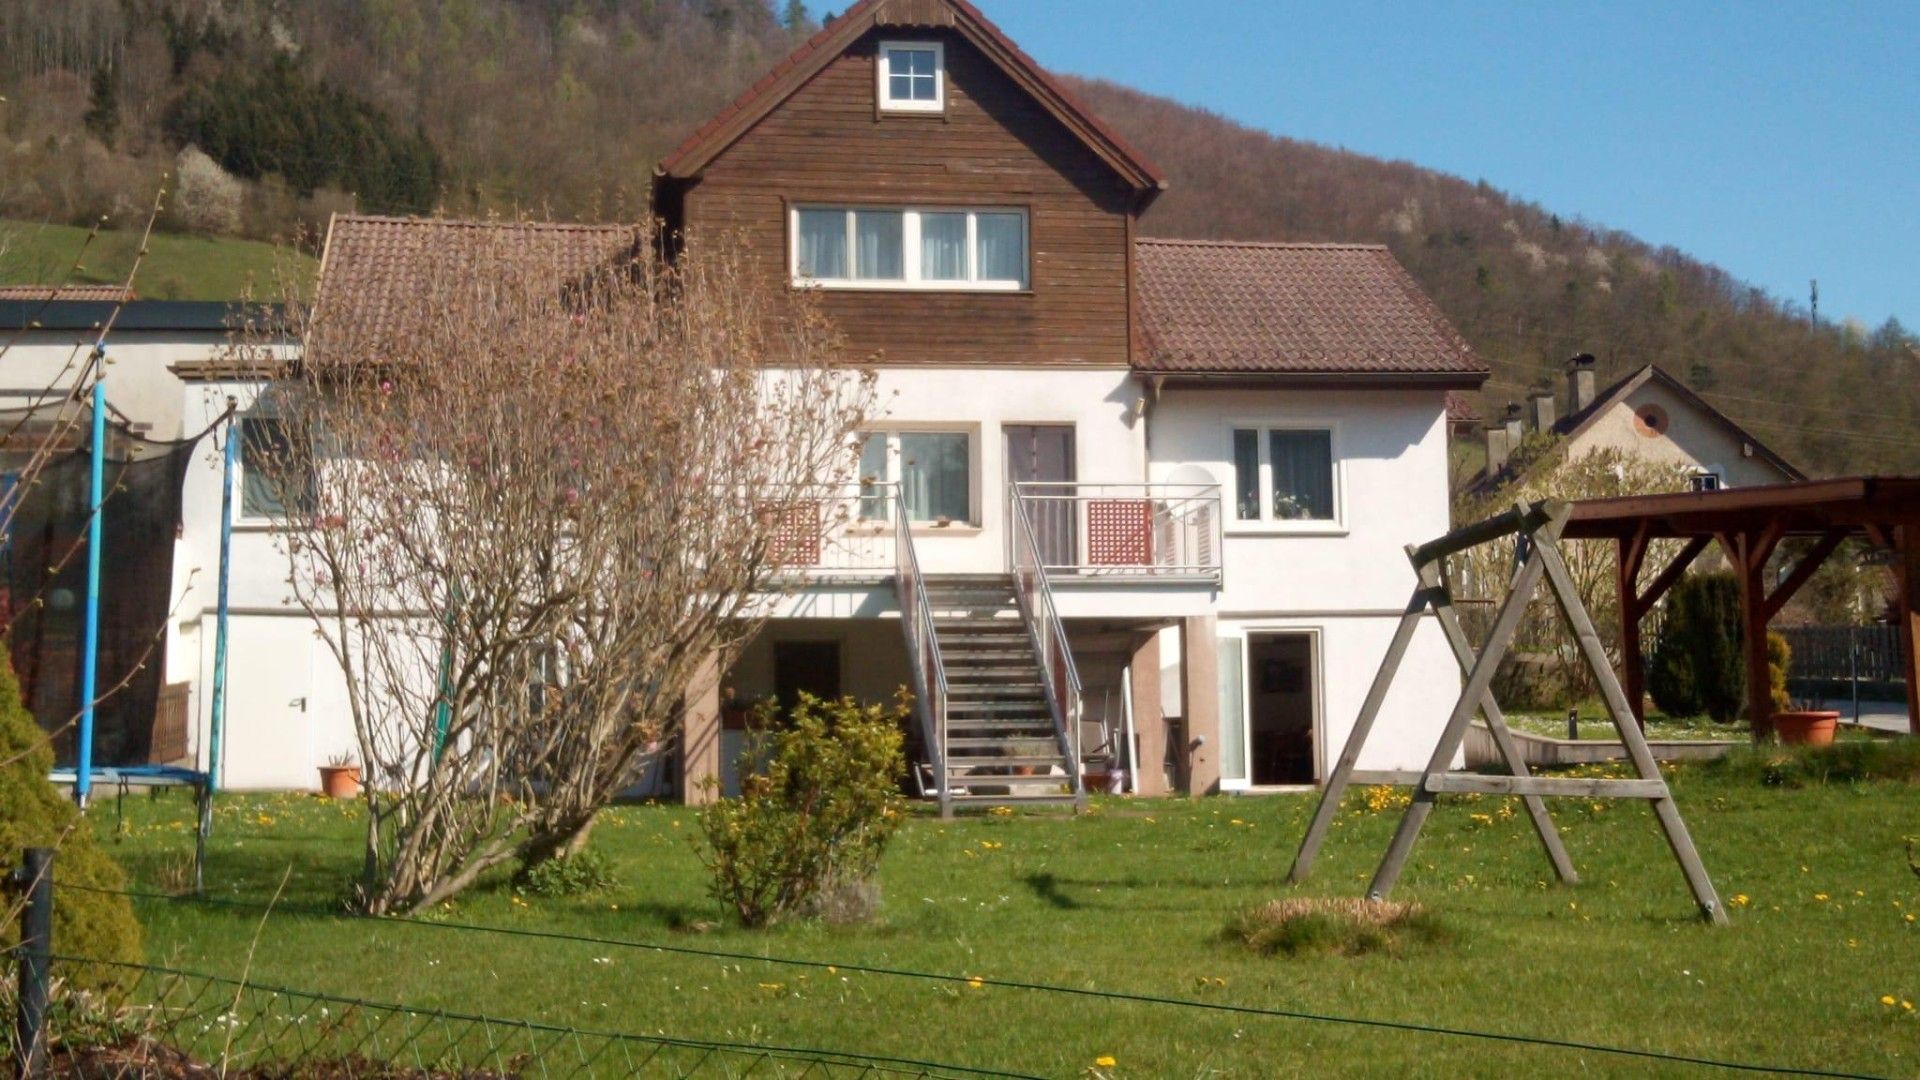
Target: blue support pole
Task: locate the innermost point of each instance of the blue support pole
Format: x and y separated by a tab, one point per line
90	648
229	459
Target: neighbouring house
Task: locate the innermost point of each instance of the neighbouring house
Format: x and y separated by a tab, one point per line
1129	492
49	337
1649	414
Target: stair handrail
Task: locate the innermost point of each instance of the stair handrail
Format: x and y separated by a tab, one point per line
1034	594
923	648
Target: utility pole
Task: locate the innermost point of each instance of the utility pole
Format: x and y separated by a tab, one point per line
1815	287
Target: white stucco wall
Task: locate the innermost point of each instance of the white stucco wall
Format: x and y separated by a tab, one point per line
1346	581
139	384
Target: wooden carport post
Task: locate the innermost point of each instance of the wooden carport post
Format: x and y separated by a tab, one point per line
1635	605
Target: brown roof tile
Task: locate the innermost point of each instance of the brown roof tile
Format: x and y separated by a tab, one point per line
1224	308
371	271
106	294
1460	410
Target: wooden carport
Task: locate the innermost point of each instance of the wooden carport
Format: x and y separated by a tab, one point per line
1749	524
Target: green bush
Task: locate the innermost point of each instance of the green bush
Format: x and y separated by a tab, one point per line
1696	666
1848	761
33	813
584	871
815	818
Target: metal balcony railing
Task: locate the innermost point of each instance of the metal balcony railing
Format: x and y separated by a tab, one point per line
1156	531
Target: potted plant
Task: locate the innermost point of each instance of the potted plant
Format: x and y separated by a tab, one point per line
1031	748
340	776
1795	723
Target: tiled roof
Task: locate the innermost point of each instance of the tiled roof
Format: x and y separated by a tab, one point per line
373	267
1460	410
1223	308
106	294
820	49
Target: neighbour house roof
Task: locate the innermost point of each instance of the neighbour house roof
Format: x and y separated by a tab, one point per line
107	293
1575	424
1338	311
814	54
1460	410
184	316
373	268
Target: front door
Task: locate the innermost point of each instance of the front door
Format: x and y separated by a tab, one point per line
1280	710
1042	455
809	667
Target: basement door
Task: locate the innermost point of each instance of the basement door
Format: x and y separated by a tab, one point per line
1269	709
1042	455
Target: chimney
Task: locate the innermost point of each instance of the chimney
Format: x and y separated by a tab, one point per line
1515	425
1540	405
1497	449
1580	389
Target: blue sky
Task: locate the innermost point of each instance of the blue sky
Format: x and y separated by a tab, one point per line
1778	140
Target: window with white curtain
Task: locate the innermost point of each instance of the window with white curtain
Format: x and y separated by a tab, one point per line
1285	475
848	247
934	470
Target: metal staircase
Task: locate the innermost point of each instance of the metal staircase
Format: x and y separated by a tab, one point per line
995	689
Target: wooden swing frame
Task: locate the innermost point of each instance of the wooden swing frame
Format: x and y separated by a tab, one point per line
1537	529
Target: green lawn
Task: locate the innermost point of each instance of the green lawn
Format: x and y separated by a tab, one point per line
177	267
1132	897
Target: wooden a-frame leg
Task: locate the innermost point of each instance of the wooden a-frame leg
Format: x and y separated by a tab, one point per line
1342	777
1479	680
1497	725
1567	596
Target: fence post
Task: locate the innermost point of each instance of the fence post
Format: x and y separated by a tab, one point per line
35	880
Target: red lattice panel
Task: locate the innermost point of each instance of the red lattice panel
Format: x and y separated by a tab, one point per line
796	532
1120	532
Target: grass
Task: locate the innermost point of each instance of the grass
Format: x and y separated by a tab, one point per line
1132	897
1594	725
177	267
1342	926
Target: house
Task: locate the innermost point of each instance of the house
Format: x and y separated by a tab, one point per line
1123	491
1649	414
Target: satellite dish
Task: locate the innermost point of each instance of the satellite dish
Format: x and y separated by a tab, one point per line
1191	474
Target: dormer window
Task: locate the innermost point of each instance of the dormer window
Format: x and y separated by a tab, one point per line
913	76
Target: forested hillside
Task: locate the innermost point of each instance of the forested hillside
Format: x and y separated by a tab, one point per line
275	113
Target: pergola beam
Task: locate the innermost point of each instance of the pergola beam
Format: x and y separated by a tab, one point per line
1907	573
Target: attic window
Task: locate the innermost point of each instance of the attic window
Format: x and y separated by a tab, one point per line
913	76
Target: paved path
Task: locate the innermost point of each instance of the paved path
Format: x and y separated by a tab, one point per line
1879	715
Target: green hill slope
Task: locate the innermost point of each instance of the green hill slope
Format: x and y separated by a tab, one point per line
177	267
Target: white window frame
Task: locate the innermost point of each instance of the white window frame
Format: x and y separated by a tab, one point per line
911	281
883	68
1266	523
1709	479
895	472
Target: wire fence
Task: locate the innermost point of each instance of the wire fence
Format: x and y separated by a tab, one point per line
165	1022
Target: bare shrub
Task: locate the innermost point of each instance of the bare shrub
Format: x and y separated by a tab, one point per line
526	512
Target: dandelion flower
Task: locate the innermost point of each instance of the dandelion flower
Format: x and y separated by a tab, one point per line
1886	999
977	982
1820	896
1106	1061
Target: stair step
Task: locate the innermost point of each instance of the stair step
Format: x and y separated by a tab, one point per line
958	799
1003	688
1016	727
978	668
1010	624
961	780
968	709
993	742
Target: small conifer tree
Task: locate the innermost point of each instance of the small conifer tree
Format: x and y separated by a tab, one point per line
33	813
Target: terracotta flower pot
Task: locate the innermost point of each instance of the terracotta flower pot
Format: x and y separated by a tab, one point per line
1806	728
340	781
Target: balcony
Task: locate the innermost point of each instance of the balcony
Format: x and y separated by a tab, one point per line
1086	534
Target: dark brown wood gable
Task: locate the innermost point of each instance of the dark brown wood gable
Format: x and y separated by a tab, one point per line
765	95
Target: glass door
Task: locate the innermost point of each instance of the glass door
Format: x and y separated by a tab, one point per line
1043	455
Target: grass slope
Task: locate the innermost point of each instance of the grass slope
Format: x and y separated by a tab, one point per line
1134	897
177	267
